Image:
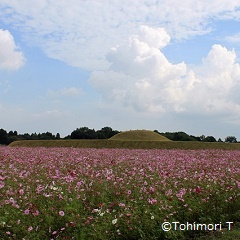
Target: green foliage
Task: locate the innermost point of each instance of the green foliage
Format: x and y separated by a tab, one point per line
210	139
106	132
3	136
86	133
83	133
231	139
178	136
7	138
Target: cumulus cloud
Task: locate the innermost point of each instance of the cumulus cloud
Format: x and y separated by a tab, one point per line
73	30
140	76
10	57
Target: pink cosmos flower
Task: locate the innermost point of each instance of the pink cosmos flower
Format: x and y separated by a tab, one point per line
61	213
152	189
36	213
152	201
21	191
2	184
129	192
79	184
27	211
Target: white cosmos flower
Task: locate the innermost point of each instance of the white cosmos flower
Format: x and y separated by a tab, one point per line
114	221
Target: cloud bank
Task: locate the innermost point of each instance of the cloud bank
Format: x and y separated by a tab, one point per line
123	44
73	30
141	77
10	57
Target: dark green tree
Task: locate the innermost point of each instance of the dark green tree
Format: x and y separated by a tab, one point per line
209	139
231	139
106	132
26	136
34	136
178	136
58	136
3	136
83	133
202	137
47	136
11	133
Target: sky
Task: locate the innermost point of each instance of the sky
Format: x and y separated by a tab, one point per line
140	64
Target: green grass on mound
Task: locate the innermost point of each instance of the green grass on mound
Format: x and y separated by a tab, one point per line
126	144
139	135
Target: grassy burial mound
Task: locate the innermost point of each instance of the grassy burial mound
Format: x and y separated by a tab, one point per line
138	135
138	144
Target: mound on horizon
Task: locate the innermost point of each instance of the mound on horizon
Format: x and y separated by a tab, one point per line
139	135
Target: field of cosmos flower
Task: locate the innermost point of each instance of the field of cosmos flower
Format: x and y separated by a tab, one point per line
76	193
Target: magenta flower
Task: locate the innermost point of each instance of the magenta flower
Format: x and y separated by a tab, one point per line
2	184
197	189
36	213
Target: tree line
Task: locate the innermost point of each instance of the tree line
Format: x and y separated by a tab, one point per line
104	133
182	136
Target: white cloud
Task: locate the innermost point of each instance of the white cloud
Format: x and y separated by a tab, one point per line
67	92
233	38
155	38
49	114
141	77
10	57
80	33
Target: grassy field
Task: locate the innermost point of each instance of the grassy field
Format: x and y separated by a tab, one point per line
126	144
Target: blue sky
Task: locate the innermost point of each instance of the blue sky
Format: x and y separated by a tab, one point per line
128	65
